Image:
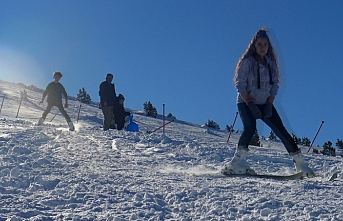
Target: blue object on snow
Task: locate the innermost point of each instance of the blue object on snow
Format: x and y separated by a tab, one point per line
133	127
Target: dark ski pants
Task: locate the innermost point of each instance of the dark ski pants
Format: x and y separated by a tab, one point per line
274	122
60	108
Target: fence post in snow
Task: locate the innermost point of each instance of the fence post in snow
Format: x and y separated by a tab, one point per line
233	125
3	98
78	114
164	118
21	100
315	136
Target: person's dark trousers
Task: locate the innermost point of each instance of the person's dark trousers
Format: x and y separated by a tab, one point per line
274	122
60	108
120	119
108	116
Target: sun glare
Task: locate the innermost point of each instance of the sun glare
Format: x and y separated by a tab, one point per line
18	67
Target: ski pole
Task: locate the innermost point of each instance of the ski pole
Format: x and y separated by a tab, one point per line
2	103
54	116
150	132
315	136
234	121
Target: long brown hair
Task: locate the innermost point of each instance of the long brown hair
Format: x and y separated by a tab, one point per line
251	51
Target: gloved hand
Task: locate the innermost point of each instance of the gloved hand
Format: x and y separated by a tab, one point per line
268	110
256	113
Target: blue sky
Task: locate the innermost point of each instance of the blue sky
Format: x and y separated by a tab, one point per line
181	54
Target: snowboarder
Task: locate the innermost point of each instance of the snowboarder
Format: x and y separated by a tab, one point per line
54	91
120	115
257	81
107	95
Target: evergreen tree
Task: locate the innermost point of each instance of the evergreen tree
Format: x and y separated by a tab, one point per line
229	128
255	141
339	144
149	109
272	136
305	141
83	96
212	124
171	116
328	149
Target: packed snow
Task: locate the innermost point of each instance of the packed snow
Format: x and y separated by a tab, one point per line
50	173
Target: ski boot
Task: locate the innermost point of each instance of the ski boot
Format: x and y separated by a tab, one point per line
40	121
301	165
71	126
238	164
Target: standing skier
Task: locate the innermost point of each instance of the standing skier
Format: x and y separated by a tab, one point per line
107	95
54	91
257	81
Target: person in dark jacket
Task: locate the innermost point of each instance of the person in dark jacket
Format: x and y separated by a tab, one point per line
119	112
54	91
107	95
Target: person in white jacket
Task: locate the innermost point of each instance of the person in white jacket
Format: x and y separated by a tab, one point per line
257	81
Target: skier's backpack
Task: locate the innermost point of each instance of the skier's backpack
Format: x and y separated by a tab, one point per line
132	126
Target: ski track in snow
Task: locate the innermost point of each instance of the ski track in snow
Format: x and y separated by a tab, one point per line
50	173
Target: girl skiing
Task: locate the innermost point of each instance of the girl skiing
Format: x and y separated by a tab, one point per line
257	81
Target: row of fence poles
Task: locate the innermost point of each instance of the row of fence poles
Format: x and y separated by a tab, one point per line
21	101
163	124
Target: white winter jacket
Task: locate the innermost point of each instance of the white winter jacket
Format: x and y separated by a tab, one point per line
258	88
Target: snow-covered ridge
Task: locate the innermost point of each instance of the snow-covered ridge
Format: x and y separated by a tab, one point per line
50	173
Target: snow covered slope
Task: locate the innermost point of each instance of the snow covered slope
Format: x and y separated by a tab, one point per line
50	173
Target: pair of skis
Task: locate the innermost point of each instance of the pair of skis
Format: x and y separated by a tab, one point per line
295	176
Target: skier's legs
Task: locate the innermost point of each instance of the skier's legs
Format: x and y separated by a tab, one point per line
275	123
47	110
120	120
108	116
249	125
238	164
63	112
